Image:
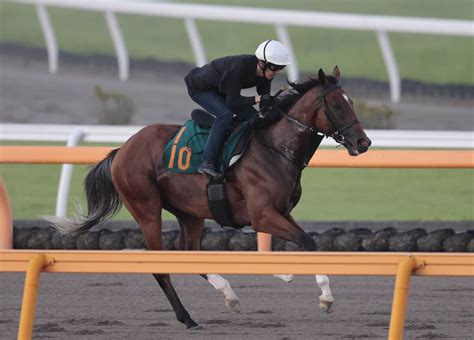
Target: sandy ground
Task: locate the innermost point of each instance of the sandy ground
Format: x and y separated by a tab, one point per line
86	306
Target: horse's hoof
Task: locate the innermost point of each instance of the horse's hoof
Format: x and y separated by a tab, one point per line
325	305
193	326
233	305
286	278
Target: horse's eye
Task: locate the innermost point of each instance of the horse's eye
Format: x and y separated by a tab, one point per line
337	107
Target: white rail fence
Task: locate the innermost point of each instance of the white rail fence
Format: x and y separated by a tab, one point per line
119	134
279	18
73	134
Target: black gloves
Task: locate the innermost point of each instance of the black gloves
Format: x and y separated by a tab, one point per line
266	101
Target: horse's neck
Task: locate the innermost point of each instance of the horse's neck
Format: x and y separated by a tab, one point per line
290	138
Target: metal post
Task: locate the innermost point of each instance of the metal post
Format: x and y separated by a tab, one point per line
264	242
282	33
49	37
119	44
66	174
6	223
400	298
391	64
28	306
196	41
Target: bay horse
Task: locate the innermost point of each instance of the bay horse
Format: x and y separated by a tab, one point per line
262	188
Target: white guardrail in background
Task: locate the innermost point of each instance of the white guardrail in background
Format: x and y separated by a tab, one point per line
73	134
277	17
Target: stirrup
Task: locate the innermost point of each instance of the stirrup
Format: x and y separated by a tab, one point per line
208	169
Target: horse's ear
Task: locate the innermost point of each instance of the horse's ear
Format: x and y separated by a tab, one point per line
336	73
322	77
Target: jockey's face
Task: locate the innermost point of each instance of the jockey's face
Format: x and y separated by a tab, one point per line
269	74
269	70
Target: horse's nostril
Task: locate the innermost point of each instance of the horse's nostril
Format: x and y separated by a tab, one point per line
363	144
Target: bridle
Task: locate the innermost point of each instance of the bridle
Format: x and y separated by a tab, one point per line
315	135
338	133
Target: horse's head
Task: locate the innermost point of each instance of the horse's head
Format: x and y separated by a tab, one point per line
335	116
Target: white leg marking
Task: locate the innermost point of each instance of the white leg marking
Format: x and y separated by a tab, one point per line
326	299
223	286
286	278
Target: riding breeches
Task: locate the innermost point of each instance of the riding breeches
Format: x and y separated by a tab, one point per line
216	105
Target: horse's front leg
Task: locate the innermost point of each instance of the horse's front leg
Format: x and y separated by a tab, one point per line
326	299
271	222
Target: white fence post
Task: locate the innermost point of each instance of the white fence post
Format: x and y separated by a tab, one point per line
49	36
282	33
391	63
66	174
196	41
119	44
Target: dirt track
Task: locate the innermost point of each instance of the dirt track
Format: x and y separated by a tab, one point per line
86	306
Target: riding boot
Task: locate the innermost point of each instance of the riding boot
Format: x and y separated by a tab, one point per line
214	144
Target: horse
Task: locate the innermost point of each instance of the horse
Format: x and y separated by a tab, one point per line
262	188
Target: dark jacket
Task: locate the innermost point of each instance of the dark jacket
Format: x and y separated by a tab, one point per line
228	76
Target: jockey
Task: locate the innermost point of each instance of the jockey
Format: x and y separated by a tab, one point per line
216	88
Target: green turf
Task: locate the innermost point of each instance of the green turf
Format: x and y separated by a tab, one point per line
430	58
328	194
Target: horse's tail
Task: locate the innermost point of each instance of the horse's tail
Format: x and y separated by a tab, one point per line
103	201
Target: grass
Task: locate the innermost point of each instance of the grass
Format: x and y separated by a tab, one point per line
438	59
328	194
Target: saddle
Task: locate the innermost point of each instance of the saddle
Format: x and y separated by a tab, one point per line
183	154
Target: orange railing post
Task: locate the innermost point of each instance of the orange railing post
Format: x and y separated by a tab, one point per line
400	298
6	223
28	306
264	242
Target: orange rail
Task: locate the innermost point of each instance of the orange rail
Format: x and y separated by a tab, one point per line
239	262
322	159
53	154
395	159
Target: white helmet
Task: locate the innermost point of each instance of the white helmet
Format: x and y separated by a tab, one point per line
273	51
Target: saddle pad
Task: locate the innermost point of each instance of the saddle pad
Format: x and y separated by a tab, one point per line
183	153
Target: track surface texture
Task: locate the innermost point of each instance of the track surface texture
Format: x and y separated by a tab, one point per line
91	306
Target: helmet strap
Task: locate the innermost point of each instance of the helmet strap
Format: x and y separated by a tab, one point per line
263	65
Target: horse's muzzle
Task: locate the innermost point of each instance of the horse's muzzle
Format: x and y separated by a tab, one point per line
363	144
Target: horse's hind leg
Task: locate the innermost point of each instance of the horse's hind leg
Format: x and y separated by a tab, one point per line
325	299
147	212
190	239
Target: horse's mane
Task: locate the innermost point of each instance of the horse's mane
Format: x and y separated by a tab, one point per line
287	100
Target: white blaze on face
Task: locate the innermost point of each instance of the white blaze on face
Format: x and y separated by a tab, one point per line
346	97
